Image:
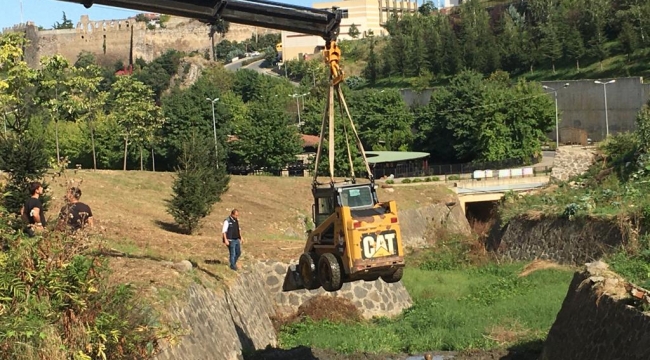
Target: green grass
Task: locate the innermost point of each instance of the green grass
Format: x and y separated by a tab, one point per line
471	308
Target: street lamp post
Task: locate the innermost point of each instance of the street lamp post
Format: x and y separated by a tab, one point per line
214	128
297	96
557	122
605	93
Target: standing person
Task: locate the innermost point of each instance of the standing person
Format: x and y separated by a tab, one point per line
232	237
75	214
32	211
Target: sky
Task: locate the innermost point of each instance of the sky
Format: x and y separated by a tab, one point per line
47	12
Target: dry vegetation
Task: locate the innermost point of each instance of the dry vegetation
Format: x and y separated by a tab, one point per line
130	213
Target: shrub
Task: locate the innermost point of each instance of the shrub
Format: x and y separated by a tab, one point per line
62	306
198	184
25	160
390	182
406	181
453	177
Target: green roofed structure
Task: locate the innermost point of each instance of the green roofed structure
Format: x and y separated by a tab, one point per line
376	157
397	163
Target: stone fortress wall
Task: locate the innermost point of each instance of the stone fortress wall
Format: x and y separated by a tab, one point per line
124	39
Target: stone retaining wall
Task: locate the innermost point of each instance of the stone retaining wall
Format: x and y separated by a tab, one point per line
375	298
416	224
596	320
554	238
571	161
223	324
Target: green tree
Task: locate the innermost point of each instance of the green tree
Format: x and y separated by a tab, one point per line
135	111
574	47
53	90
198	184
22	153
371	71
628	39
383	119
353	31
64	24
87	100
268	139
550	46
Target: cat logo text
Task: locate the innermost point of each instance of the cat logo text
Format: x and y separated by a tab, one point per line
378	245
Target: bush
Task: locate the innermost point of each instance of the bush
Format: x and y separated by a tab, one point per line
60	303
406	181
453	177
198	184
25	160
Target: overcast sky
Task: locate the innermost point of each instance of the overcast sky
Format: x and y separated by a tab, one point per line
46	12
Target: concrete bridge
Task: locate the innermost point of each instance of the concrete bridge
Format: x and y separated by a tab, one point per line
470	191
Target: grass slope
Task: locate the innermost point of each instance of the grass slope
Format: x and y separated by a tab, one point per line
129	209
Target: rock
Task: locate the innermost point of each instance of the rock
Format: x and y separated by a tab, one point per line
183	266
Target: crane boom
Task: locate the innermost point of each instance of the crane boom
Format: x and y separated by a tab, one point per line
262	13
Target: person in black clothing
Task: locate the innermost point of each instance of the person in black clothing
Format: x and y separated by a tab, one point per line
232	237
75	214
32	211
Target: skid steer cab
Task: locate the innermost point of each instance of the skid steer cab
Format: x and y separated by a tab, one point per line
356	238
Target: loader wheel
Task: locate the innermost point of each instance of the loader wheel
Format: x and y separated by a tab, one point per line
329	272
394	277
307	269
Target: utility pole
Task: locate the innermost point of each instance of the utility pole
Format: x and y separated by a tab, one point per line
605	93
557	128
214	127
297	97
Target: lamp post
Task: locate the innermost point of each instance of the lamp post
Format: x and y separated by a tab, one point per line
557	122
214	127
297	97
605	93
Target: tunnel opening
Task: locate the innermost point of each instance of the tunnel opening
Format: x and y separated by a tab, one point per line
481	216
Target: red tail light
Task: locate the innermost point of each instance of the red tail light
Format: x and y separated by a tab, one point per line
356	224
393	220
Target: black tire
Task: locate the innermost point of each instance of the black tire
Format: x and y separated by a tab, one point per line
307	271
329	272
396	276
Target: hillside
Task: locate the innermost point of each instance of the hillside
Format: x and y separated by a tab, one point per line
129	208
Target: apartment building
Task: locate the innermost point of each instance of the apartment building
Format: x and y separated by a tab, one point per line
364	14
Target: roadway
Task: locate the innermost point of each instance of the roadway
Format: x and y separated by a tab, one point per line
255	66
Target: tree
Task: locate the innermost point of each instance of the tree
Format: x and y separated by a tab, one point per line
353	31
426	8
53	90
65	24
371	70
382	119
136	112
628	39
87	100
22	153
268	139
574	47
550	46
198	184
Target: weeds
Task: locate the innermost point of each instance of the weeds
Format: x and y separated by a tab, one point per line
56	302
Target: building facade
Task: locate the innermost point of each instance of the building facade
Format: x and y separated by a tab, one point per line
366	15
